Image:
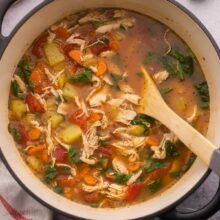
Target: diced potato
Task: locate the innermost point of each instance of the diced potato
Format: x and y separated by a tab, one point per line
137	130
56	119
18	108
71	134
34	163
53	54
69	92
29	118
51	104
61	80
59	66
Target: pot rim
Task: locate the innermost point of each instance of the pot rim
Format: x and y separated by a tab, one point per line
215	46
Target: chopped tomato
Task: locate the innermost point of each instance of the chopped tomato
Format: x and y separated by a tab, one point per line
60	154
33	104
98	48
159	173
24	134
133	191
37	78
37	49
61	33
106	151
68	48
64	180
92	197
81	121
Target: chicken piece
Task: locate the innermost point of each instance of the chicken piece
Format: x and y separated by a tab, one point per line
133	98
101	185
134	177
115	191
92	16
119	13
125	116
119	165
161	76
194	115
97	99
72	169
63	108
20	83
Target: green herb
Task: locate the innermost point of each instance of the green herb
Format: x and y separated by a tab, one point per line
25	73
203	92
101	164
189	163
58	189
84	77
122	178
155	165
166	90
74	155
102	41
16	134
153	187
150	57
115	80
175	174
145	120
140	74
94	205
171	150
16	90
50	174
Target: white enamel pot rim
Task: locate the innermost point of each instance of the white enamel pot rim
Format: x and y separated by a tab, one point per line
167	12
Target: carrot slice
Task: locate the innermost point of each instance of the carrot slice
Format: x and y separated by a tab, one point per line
114	45
76	55
36	149
102	68
94	117
90	180
62	33
83	171
34	134
152	141
44	157
134	167
68	193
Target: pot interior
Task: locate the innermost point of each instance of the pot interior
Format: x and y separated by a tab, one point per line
167	13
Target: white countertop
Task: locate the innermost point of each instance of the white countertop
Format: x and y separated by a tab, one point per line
208	11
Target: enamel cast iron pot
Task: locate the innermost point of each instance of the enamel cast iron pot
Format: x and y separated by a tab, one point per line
187	27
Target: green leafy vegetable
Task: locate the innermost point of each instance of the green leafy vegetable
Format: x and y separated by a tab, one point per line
25	73
145	120
58	189
102	41
74	155
189	163
150	57
115	80
94	205
171	150
50	174
153	187
16	134
16	90
155	165
175	174
203	92
122	178
166	90
84	77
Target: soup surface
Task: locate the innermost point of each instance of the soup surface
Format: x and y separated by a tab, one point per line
74	100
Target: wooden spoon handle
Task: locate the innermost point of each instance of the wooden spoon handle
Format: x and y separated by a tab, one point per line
195	141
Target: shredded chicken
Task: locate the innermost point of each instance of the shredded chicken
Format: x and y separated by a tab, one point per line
125	116
104	120
92	16
63	108
41	100
20	83
134	177
74	40
49	141
161	76
133	98
160	151
119	13
81	105
51	37
72	169
108	53
115	191
125	22
97	99
194	115
101	185
66	146
119	165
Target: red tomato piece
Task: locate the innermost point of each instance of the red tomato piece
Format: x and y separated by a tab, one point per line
60	154
133	191
92	197
37	49
64	180
159	173
81	121
106	151
24	134
61	33
68	48
34	105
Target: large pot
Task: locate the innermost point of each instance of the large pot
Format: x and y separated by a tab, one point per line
168	12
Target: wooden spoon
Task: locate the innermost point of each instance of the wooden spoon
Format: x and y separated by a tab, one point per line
153	105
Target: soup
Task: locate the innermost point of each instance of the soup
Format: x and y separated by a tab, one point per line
74	107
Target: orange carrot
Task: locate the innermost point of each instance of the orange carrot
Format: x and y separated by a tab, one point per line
101	69
34	134
68	193
134	167
44	157
90	180
76	55
62	33
114	45
94	117
83	171
110	177
36	149
152	141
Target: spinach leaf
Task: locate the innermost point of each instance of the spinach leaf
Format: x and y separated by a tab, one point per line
74	155
122	178
58	189
16	134
145	120
25	73
115	80
84	77
155	165
203	92
150	57
171	150
16	91
50	174
153	187
102	41
175	174
189	163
